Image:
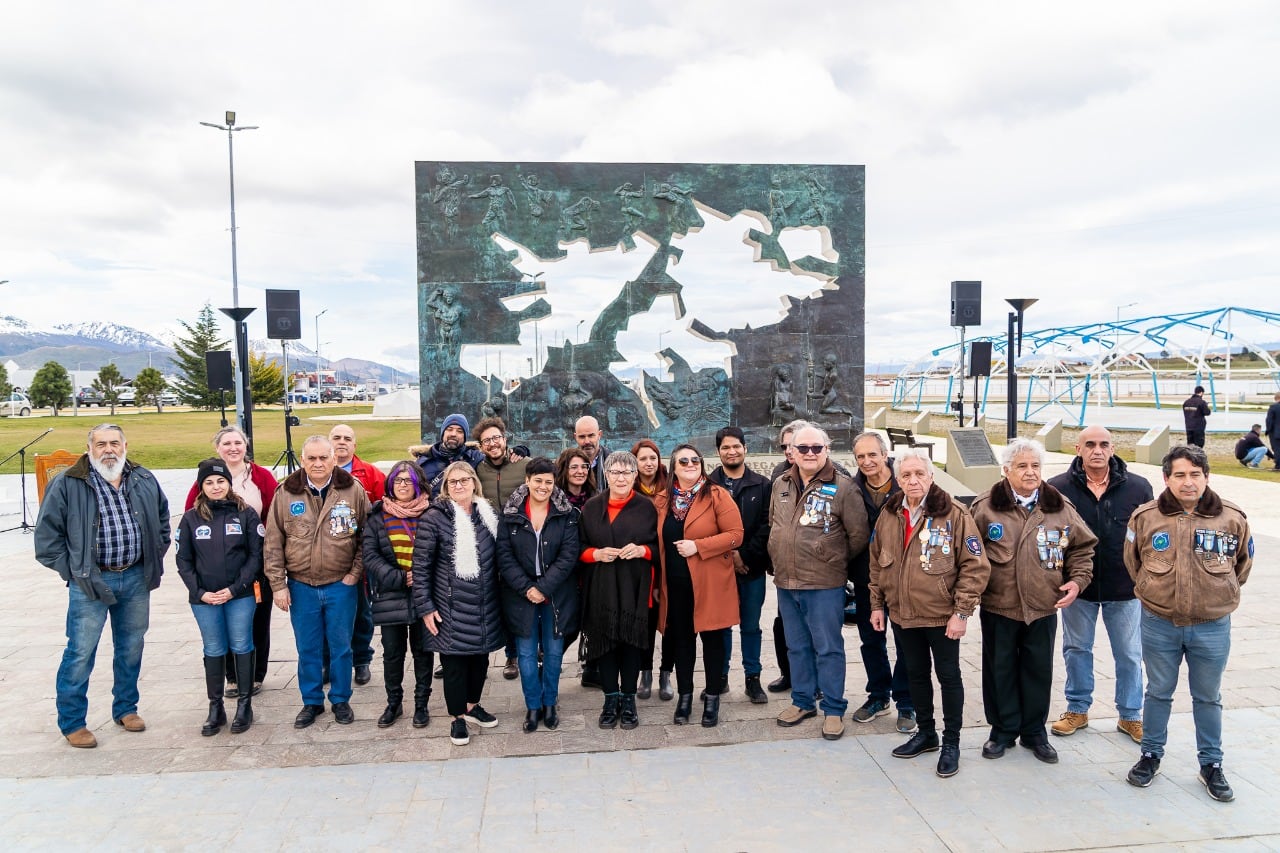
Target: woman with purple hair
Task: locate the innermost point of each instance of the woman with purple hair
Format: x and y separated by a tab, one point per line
389	535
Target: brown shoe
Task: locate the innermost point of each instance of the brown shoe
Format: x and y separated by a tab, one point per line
794	716
1133	728
1069	723
511	670
132	723
832	727
82	739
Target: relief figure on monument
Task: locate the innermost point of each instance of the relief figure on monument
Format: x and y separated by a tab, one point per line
577	216
448	195
498	195
448	316
778	204
781	406
833	398
539	198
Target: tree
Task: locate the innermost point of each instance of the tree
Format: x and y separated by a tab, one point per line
266	379
148	385
5	388
50	387
108	383
192	384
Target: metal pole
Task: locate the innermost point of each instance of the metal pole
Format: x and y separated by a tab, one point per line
241	368
1011	412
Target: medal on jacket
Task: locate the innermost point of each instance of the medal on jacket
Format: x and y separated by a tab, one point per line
926	544
1055	549
1042	541
342	520
946	540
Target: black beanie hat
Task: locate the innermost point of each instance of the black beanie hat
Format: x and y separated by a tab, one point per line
212	467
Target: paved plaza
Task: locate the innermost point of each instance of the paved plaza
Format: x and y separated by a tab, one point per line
744	785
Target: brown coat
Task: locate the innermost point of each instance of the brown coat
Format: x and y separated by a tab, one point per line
312	542
926	595
1021	586
815	555
715	525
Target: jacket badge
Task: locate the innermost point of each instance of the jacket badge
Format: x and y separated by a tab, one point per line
233	528
204	532
342	521
262	530
974	546
1160	541
297	508
995	531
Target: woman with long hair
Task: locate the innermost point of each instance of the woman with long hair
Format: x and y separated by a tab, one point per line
699	527
652	478
389	536
574	476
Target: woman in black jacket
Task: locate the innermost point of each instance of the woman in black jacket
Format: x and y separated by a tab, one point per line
219	554
537	555
619	537
389	534
457	591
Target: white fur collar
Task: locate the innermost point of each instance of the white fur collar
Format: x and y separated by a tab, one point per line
466	562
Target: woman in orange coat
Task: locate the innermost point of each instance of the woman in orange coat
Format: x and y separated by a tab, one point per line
699	527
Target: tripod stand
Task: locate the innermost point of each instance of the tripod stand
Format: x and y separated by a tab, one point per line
290	420
21	453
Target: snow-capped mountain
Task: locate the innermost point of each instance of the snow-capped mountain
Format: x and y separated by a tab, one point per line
113	334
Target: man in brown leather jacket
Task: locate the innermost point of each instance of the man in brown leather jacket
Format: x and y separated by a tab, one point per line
928	568
1189	552
1041	555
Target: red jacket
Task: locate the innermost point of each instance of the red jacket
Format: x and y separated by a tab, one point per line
369	476
261	478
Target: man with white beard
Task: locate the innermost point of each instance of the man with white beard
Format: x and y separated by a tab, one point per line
104	528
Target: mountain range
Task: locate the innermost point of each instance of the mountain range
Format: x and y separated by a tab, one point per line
88	346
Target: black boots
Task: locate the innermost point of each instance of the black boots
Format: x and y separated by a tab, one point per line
214	671
710	710
645	690
393	712
684	707
244	701
755	692
628	715
664	685
609	715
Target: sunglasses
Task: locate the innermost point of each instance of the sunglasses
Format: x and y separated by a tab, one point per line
808	449
689	460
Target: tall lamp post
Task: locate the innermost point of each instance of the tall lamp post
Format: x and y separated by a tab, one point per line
235	312
318	316
1011	353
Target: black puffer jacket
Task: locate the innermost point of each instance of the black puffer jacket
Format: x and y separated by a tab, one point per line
516	546
389	595
463	588
1108	518
221	552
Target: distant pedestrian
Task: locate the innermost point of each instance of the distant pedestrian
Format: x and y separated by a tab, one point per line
1250	450
1273	429
1195	412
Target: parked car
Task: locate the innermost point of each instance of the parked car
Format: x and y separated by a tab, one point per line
331	395
169	397
17	405
303	397
89	397
126	396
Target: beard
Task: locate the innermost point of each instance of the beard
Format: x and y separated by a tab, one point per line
108	471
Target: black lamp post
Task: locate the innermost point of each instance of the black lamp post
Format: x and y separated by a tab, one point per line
1011	353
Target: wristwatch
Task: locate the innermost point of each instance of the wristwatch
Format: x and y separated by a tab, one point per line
962	617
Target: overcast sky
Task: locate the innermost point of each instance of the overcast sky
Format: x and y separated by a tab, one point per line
1089	154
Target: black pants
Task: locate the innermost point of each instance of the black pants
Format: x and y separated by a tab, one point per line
916	647
1017	676
1196	437
883	681
463	681
620	668
780	648
667	662
1275	449
396	641
261	637
680	636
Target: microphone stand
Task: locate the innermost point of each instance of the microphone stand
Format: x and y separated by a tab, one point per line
21	453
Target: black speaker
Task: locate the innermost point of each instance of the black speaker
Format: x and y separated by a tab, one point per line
966	303
980	358
284	322
217	369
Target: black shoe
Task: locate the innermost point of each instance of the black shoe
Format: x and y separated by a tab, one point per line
244	704
1042	752
920	743
363	675
531	719
421	718
307	716
609	714
994	749
232	692
439	673
591	676
755	692
394	711
1146	770
214	672
217	718
781	684
551	717
458	734
342	714
645	690
684	707
480	717
1215	783
665	693
710	711
949	761
722	691
628	718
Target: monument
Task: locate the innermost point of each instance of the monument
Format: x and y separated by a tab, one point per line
807	364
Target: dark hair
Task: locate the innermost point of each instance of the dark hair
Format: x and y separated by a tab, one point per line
1195	455
488	423
1199	389
662	478
415	474
730	432
539	465
702	466
562	470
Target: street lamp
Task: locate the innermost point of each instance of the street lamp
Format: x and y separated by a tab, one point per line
1118	310
577	333
660	334
1015	320
235	312
318	316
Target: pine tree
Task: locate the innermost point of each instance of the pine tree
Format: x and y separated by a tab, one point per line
5	388
148	385
108	383
51	386
266	379
192	383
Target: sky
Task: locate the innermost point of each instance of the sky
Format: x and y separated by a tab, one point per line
1089	155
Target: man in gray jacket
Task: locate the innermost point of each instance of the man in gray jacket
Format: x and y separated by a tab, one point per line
104	528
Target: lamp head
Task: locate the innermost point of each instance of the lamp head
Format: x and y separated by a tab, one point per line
231	118
1021	305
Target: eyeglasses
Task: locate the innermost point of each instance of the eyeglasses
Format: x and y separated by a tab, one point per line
626	472
491	440
688	460
406	481
809	449
461	481
783	446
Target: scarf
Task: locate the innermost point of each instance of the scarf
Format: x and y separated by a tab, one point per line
466	554
1028	503
684	499
410	509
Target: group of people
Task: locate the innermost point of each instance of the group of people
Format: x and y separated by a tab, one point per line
464	550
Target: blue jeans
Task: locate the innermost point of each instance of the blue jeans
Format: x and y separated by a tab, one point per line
320	613
813	619
226	625
1206	647
130	616
541	689
750	603
362	632
1123	620
1254	457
